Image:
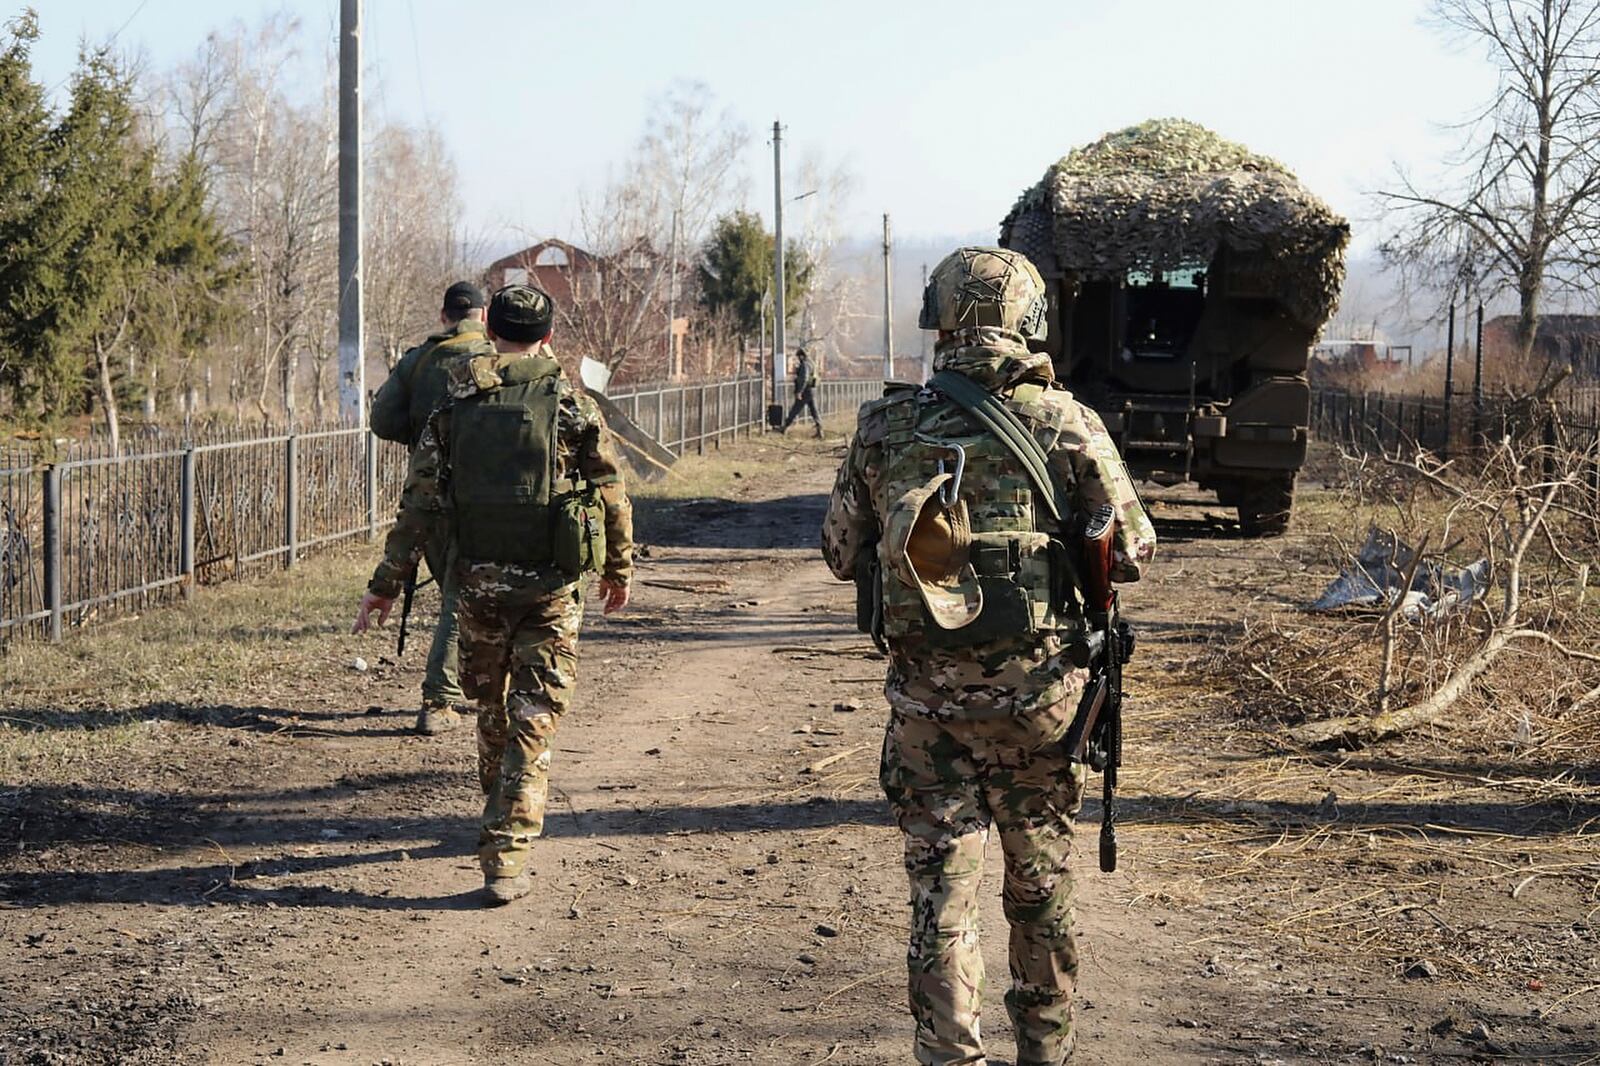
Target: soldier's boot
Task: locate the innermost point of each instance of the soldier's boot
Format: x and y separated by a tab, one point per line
819	430
502	890
436	718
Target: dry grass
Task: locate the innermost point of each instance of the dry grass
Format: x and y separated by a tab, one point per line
236	644
766	459
1471	843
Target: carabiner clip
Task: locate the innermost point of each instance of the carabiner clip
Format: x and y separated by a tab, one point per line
950	491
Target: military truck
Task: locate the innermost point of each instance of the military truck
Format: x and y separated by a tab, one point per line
1188	280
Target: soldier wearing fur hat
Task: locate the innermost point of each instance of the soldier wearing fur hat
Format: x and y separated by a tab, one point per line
519	463
971	590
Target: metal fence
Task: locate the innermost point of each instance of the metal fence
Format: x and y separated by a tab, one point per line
681	417
89	534
1390	421
85	534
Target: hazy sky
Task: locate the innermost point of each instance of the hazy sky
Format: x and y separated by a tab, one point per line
942	111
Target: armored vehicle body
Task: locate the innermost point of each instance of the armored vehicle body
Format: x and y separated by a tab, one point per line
1188	279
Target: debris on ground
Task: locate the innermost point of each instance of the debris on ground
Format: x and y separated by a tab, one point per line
1378	576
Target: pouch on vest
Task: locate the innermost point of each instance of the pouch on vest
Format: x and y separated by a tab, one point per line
579	538
988	571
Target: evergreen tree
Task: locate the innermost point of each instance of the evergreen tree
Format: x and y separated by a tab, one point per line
102	253
25	124
735	271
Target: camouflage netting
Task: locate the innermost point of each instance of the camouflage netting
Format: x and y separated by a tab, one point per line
1169	192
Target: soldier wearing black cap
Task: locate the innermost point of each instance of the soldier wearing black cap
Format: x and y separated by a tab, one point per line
520	462
400	412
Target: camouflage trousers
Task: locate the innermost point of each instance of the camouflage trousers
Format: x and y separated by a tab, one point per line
519	664
947	782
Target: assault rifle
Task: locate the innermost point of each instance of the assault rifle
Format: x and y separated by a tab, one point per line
406	596
1095	736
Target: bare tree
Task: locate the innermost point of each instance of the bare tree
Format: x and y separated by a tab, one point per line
682	174
412	222
275	186
1523	212
835	293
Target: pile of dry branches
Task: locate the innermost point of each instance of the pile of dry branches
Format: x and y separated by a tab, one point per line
1518	667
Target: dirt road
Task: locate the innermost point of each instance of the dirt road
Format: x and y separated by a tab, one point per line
272	869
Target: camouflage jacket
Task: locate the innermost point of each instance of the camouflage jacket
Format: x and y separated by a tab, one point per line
583	449
416	385
1026	675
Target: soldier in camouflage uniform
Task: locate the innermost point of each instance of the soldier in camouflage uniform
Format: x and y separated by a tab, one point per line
977	607
521	464
400	412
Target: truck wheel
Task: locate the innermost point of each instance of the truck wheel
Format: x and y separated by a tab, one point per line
1264	506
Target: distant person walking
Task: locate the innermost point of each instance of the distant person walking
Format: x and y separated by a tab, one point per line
805	384
400	413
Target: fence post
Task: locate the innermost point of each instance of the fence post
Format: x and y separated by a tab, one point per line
291	508
372	487
661	416
683	419
52	548
186	522
700	443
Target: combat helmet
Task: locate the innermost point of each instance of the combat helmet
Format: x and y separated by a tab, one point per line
978	286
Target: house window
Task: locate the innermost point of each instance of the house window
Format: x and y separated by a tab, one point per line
552	256
515	276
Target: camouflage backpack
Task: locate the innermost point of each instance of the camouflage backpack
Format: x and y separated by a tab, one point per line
507	501
968	555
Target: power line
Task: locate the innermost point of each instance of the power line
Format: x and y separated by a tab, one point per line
105	47
127	23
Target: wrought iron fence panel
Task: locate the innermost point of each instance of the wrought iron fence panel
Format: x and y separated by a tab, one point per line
22	602
86	533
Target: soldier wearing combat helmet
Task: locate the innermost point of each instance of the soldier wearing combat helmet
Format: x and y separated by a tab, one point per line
519	462
972	591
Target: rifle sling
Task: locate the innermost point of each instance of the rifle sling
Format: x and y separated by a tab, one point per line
1019	440
999	419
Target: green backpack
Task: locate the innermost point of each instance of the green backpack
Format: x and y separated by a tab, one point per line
507	502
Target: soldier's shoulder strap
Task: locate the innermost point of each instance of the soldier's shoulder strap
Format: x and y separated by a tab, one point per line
1009	430
875	417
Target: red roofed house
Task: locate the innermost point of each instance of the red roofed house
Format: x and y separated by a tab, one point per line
570	274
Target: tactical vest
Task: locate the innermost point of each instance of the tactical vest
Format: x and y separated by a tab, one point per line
506	500
1018	557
